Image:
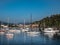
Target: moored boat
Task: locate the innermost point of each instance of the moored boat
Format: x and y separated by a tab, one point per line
14	31
50	30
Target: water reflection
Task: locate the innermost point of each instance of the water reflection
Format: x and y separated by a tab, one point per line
50	35
2	33
9	36
28	38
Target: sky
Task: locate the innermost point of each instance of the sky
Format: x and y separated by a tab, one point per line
18	10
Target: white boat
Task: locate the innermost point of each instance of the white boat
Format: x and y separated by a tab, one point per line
33	34
14	31
17	31
25	30
49	30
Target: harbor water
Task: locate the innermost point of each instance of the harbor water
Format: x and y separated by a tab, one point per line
24	38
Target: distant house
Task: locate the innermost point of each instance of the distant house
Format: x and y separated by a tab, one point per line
28	26
35	25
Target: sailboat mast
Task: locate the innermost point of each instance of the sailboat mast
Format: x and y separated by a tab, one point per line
31	22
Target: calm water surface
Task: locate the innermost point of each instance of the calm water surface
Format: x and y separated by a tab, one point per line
26	39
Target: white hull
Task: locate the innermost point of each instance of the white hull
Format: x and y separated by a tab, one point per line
24	30
14	31
49	31
32	34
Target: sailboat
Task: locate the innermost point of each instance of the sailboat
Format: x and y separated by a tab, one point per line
14	30
32	33
8	34
24	29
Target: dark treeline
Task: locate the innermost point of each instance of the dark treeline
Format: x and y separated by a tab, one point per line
51	21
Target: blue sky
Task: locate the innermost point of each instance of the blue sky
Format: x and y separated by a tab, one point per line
18	10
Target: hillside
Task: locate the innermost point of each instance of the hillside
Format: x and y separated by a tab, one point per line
51	21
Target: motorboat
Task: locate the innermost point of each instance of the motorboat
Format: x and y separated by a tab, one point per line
33	34
49	30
